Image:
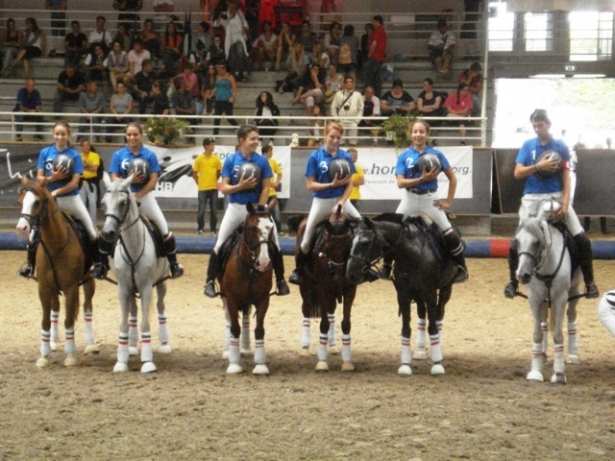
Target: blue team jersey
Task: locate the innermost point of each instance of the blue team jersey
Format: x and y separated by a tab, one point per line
45	159
121	159
529	152
231	168
318	168
408	165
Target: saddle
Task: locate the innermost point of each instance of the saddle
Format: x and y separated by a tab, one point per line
434	236
570	245
156	235
225	250
82	236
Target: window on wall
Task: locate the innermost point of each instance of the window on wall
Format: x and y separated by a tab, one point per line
538	31
501	27
591	35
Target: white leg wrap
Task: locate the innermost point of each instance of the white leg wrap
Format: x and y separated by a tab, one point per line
69	345
45	346
440	325
558	358
545	336
133	333
421	341
436	348
260	357
573	339
323	351
245	332
89	330
55	316
163	329
147	353
332	339
406	352
305	334
122	349
537	357
233	352
346	351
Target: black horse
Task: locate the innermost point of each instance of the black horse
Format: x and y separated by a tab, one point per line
423	272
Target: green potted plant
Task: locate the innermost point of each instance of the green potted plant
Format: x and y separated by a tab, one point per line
164	130
396	130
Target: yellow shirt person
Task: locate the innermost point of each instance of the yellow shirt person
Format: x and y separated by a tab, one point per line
358	179
206	172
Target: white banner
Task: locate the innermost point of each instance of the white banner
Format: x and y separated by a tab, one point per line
176	180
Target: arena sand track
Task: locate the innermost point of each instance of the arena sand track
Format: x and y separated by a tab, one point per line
482	409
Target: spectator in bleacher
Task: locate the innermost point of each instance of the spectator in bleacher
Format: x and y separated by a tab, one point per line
333	41
199	60
225	94
91	102
183	101
317	131
459	104
347	63
296	65
123	36
286	42
29	103
236	30
58	26
128	16
217	55
160	98
172	49
319	56
208	89
265	107
95	65
10	44
203	36
120	108
71	84
348	105
364	51
430	103
266	13
75	44
441	45
142	83
397	100
33	46
89	187
371	108
474	80
334	81
117	65
311	89
265	47
100	36
150	39
162	7
307	37
136	57
191	80
376	53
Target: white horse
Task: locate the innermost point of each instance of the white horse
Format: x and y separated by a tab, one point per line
545	266
138	270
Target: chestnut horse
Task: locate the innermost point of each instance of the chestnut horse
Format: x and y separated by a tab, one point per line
61	266
325	284
246	281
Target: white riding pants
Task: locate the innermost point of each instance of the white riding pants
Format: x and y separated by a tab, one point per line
412	204
235	216
321	210
73	205
88	197
530	204
150	208
606	311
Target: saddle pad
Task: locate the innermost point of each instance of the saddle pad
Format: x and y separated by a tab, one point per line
82	236
570	245
156	236
433	235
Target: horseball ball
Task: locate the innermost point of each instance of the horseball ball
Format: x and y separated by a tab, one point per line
550	155
249	169
339	167
429	162
64	161
139	165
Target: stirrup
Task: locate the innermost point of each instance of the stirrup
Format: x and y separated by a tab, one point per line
282	288
461	276
296	277
98	271
510	291
210	289
26	271
591	291
177	270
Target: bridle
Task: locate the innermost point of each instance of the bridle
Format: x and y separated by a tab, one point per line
251	247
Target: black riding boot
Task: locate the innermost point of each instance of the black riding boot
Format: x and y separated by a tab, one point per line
456	247
296	277
27	270
170	249
584	247
387	267
99	252
278	268
513	262
212	269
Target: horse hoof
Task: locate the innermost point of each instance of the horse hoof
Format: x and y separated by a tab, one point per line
535	376
42	362
437	370
148	367
404	371
164	349
133	350
91	349
70	361
246	352
305	352
420	354
558	379
573	360
225	355
322	366
347	366
261	370
54	346
234	368
120	367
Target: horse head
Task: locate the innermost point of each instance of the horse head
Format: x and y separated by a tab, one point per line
533	239
36	206
257	235
119	204
365	251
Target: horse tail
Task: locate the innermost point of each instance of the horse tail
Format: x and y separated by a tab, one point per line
313	311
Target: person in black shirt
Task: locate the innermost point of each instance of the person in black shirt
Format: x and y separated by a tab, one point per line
160	98
71	84
76	45
142	85
29	102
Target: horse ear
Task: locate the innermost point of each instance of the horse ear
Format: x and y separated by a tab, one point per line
250	207
546	231
106	180
338	212
128	181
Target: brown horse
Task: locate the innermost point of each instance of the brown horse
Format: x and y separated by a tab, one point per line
325	284
246	281
60	269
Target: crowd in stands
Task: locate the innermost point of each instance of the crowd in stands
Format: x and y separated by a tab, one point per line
141	69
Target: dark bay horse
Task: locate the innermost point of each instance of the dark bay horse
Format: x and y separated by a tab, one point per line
419	275
61	267
325	285
246	281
